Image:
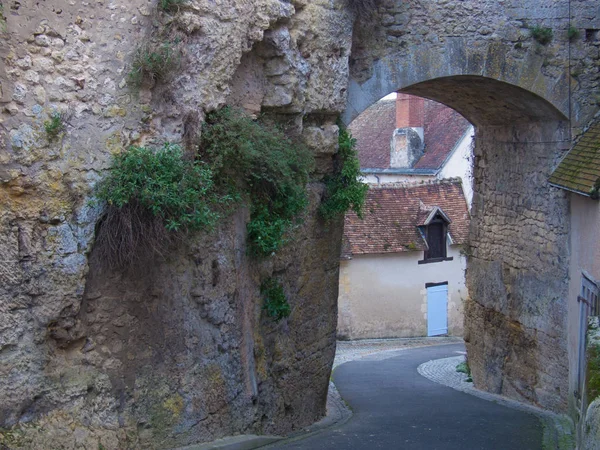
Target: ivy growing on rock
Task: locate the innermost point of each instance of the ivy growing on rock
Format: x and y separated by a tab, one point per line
153	196
258	162
275	301
344	189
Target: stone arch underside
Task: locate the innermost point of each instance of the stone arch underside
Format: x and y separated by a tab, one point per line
515	317
483	84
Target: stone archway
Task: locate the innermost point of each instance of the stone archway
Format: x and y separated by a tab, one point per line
515	318
525	92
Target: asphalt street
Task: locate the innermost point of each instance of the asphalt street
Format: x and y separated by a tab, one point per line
396	408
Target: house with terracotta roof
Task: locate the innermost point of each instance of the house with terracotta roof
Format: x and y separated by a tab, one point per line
402	270
410	139
579	174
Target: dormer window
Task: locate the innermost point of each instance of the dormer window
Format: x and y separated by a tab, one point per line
434	230
435	234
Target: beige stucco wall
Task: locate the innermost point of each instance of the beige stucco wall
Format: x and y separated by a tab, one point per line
585	257
383	296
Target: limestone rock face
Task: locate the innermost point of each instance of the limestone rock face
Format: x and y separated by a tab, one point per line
176	350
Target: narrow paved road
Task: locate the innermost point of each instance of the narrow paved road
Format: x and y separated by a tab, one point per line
396	408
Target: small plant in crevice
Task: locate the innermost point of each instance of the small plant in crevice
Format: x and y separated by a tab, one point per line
344	189
274	300
257	162
55	125
153	63
542	35
170	5
573	33
152	196
463	367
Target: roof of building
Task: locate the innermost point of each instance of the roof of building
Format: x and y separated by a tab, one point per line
579	171
373	129
444	128
393	214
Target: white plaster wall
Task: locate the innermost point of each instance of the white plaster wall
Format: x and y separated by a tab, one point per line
383	296
460	164
396	178
585	256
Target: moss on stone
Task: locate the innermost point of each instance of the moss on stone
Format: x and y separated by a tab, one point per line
593	372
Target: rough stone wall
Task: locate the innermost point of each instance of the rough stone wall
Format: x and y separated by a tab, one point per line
176	351
416	41
517	275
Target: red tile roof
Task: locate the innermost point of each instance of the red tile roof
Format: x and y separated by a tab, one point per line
443	130
392	216
373	129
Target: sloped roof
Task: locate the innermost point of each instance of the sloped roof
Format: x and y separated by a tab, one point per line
393	214
579	171
373	129
443	129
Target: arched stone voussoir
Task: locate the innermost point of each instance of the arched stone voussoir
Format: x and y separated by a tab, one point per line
489	83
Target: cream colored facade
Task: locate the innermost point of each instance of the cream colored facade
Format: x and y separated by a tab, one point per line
385	295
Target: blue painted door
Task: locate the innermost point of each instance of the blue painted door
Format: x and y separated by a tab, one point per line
437	310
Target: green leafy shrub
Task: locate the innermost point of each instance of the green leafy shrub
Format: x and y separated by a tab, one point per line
54	126
344	190
541	34
258	161
275	302
150	196
153	63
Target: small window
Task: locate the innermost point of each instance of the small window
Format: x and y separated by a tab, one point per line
435	233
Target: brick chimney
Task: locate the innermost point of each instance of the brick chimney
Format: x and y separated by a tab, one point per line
410	112
407	142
